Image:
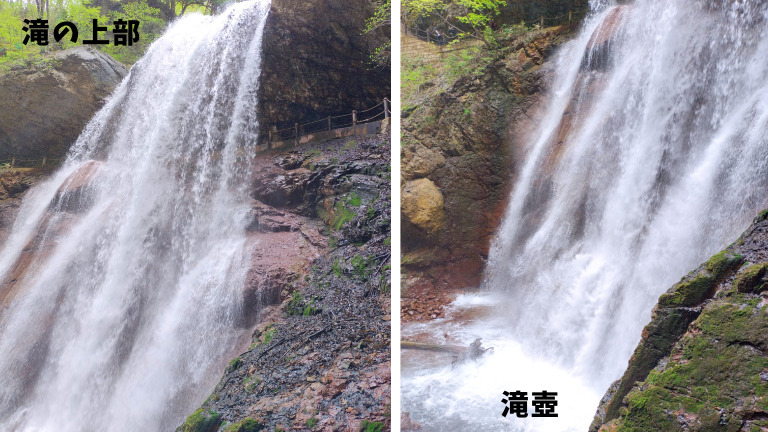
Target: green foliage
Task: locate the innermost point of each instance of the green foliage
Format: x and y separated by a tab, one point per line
312	422
342	212
479	12
202	421
151	28
422	8
369	426
466	62
360	265
298	306
381	19
269	333
383	285
471	17
354	200
414	73
336	268
152	15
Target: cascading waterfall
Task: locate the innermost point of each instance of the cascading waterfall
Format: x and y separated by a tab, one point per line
124	274
651	157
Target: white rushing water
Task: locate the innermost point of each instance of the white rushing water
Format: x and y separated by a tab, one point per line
665	163
131	301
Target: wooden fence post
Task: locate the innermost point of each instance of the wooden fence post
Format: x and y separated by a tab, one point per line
541	26
570	17
329	123
43	161
13	162
386	108
354	118
296	130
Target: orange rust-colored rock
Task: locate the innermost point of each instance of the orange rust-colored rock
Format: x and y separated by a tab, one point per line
600	43
74	195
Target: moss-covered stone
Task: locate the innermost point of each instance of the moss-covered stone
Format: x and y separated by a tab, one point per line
202	421
751	279
659	335
245	425
712	379
234	364
693	289
707	373
722	262
688	293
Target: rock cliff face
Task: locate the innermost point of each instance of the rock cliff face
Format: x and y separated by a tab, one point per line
460	146
702	363
315	62
44	108
320	356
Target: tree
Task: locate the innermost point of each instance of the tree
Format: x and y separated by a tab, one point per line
381	21
471	18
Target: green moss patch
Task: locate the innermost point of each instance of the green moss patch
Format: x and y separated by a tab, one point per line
245	425
369	426
202	421
693	290
751	279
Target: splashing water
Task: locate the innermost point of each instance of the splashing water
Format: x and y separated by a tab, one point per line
651	157
124	274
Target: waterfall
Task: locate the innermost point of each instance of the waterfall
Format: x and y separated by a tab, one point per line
651	157
122	282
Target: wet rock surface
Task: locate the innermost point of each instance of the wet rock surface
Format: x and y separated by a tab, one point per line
702	358
14	183
464	139
315	62
320	356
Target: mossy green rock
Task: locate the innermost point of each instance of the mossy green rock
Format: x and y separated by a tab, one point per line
245	425
751	279
202	421
694	288
701	364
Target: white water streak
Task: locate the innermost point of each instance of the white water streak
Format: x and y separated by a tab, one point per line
133	300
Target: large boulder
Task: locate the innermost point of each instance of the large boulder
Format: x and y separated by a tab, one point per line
423	205
44	108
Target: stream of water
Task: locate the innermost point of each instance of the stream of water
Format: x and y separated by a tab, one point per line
128	264
651	157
